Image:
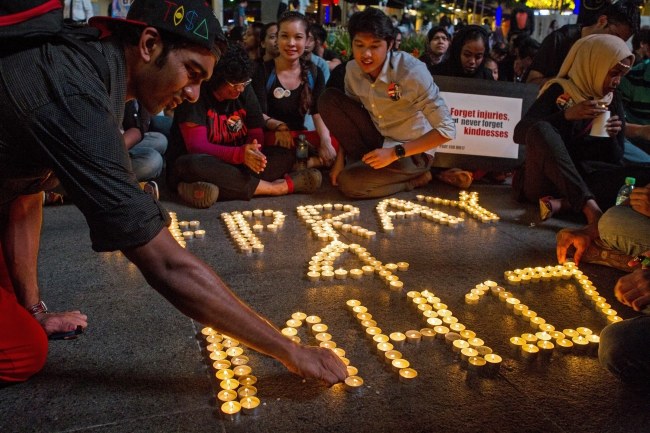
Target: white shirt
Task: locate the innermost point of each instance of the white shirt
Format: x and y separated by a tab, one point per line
82	10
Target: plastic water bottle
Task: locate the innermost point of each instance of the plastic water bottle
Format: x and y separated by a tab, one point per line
625	191
302	151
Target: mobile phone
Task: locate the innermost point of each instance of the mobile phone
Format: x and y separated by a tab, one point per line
70	335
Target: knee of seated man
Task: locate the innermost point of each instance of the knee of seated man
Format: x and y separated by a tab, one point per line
349	186
619	349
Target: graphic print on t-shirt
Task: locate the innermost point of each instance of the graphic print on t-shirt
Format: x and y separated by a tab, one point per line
220	132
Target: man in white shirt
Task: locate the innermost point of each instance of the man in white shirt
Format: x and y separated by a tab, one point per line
78	11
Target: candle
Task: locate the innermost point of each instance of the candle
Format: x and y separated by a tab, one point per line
471	298
359	309
428	334
389	355
402	266
226	373
250	405
289	331
183	225
584	331
221	364
294	323
512	302
492	364
467	352
399	363
353	384
564	345
229	384
536	321
257	213
364	316
383	348
356	273
230	410
372	331
368	270
247	391
475	363
188	235
458	344
318	328
218	355
441	331
352	371
396	285
239	360
247	380
545	347
570	333
413	336
199	234
242	370
226	395
341	274
313	276
397	339
406	375
236	351
368	323
529	351
323	336
475	342
351	303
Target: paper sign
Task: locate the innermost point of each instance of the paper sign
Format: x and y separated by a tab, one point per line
484	125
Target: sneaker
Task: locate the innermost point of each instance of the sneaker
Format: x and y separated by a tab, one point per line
201	195
151	188
306	181
600	254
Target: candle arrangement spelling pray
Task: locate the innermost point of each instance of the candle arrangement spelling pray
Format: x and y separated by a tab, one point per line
237	384
241	232
544	338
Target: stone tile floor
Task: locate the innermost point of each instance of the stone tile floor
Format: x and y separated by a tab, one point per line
142	366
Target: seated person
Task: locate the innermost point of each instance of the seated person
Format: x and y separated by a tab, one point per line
624	234
437	45
566	168
635	94
390	117
288	88
146	148
218	142
319	34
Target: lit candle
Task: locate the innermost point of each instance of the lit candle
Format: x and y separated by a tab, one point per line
242	370
218	355
475	342
221	364
313	276
241	359
389	355
247	391
475	363
323	336
471	298
229	384
458	343
413	336
584	331
341	274
529	351
353	384
294	323
352	370
383	348
402	266
380	338
371	331
250	405
226	373
359	309
318	328
199	234
368	270
289	331
356	273
188	235
441	330
236	351
230	410
396	285
248	380
564	345
368	323
351	303
227	395
364	316
399	363
536	321
397	339
428	334
406	375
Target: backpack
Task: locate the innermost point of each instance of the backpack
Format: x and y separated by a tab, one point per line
29	23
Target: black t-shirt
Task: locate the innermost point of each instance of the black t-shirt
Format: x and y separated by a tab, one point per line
228	121
286	108
554	50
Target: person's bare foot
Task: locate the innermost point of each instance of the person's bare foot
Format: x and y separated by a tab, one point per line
421	180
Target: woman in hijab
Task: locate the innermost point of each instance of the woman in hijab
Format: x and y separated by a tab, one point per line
567	167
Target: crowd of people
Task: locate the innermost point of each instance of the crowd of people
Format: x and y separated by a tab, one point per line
266	111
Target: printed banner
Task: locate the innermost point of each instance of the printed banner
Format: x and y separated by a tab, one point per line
484	124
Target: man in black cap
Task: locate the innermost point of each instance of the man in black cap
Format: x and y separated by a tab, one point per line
60	120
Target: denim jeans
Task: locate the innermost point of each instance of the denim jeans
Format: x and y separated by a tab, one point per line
147	156
625	350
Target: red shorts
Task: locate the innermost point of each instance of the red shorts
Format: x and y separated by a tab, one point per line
23	342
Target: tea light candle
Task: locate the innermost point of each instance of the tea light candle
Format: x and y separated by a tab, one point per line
516	343
221	364
188	235
368	270
441	330
313	276
413	336
402	266
183	225
492	364
226	373
235	351
406	375
380	338
397	339
536	321
371	331
218	355
194	225
356	273
368	323
248	380
323	336
428	334
564	345
226	395
242	370
614	319
352	370
390	355
475	363
289	331
294	323
457	343
475	342
230	410
341	274
529	351
584	331
199	234
229	384
570	333
545	347
257	213
318	328
247	391
359	309
328	344
250	405
353	384
519	309
399	363
471	298
364	316
396	285
383	348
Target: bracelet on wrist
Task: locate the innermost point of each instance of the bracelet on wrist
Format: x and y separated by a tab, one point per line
38	308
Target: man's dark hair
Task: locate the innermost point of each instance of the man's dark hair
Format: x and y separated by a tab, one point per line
437	29
129	35
318	32
624	12
373	21
235	67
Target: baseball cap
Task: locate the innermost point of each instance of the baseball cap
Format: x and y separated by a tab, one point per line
192	20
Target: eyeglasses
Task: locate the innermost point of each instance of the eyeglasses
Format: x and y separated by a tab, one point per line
239	86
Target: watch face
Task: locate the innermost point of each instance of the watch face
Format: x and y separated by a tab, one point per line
399	151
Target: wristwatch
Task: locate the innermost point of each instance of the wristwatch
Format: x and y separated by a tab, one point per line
400	152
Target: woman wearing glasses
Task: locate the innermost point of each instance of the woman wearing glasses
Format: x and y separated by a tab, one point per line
217	148
288	88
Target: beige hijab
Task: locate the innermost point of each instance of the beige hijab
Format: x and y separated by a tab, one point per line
584	70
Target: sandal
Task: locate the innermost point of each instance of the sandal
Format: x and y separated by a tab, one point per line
456	177
304	181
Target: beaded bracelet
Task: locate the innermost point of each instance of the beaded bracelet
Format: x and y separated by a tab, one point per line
39	308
